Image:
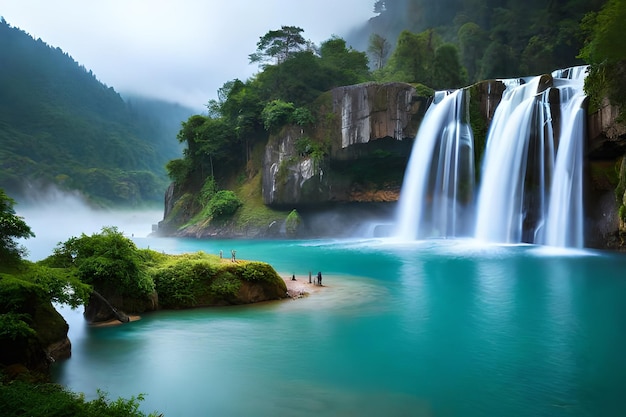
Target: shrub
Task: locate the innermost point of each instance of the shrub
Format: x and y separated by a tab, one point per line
292	223
276	114
224	203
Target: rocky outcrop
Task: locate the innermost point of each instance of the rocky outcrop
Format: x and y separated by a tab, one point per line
105	307
364	138
607	135
606	172
38	334
368	112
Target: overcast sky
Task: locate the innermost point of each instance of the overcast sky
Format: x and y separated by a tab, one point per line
180	50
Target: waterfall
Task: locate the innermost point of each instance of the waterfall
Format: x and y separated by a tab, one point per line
437	193
530	187
516	170
565	217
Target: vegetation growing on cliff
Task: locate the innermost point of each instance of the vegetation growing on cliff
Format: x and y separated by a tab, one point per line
605	51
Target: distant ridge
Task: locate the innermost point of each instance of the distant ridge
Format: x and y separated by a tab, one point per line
60	125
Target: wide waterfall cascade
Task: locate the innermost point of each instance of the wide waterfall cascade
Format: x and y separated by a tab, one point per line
437	194
530	186
531	189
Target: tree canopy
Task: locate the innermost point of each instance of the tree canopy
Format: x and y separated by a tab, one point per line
12	227
279	45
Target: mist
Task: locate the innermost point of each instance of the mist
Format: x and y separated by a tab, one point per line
181	51
55	216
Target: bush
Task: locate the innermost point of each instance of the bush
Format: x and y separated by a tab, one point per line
292	223
20	398
276	114
224	203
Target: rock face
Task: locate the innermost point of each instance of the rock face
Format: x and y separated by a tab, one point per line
605	196
358	149
48	342
364	125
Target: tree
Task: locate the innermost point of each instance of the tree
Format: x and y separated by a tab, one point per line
378	49
108	261
346	65
412	60
12	227
279	45
447	69
605	52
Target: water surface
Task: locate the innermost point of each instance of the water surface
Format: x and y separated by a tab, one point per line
432	328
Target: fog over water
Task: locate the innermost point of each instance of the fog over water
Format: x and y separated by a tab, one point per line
55	216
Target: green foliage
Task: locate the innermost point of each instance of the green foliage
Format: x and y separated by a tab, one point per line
13	327
208	191
176	284
21	398
378	49
292	223
107	260
224	203
605	51
528	38
279	44
225	285
345	65
12	227
60	284
447	69
302	116
258	272
193	280
276	114
308	148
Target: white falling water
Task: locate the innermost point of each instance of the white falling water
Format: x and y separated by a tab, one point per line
531	178
564	226
438	189
517	167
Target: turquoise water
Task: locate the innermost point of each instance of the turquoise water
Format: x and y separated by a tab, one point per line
435	328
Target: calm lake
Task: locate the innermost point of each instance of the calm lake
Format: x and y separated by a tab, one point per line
431	328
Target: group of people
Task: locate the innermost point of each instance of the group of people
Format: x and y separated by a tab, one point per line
318	278
233	254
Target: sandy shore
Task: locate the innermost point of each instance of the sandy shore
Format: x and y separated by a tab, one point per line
300	287
114	322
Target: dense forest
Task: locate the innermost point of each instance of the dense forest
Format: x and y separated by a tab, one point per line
494	38
439	46
60	125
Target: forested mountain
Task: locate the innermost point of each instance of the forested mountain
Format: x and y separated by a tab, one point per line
495	38
60	125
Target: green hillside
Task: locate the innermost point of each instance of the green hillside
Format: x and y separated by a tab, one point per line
60	125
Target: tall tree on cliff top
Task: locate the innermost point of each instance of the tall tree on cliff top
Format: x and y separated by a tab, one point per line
279	45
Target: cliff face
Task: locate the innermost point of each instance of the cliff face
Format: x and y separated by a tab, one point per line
357	151
605	195
365	127
370	140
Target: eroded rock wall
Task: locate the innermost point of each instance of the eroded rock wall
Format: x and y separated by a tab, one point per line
368	127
